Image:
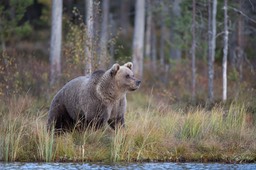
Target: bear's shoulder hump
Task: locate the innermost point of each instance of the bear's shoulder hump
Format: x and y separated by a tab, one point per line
97	74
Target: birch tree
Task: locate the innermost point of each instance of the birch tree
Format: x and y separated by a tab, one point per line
55	45
212	5
225	52
193	49
138	39
104	34
89	35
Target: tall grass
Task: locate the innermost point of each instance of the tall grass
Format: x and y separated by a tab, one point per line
44	142
13	128
152	132
12	142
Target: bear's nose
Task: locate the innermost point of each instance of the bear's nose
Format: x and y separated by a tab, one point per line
138	82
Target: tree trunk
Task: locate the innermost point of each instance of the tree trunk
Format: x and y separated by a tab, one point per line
112	31
225	52
97	20
104	36
56	36
240	42
153	48
148	30
3	47
138	39
89	40
211	46
163	33
175	52
124	15
193	51
214	13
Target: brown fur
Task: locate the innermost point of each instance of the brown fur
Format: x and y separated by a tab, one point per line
93	100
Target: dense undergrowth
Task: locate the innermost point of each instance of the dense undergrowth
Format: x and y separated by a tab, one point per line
155	131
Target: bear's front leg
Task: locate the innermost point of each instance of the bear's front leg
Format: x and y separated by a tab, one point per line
116	123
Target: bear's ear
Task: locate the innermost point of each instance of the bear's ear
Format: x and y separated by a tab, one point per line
129	65
114	69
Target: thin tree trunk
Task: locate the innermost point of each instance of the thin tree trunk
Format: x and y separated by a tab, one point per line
175	52
104	36
3	43
232	48
163	33
214	13
97	20
240	42
89	42
225	52
112	36
210	60
56	36
124	15
138	39
211	48
193	50
153	48
148	30
3	47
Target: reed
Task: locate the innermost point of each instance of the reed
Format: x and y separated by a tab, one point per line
45	142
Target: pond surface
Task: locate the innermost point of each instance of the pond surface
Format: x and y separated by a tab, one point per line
131	166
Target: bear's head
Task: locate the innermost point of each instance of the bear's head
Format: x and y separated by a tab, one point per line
124	77
116	81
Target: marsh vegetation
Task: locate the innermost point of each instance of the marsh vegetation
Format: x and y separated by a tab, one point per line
154	132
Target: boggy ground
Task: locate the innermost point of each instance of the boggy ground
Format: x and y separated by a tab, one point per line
155	131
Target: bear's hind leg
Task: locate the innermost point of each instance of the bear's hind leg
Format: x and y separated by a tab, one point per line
64	122
59	119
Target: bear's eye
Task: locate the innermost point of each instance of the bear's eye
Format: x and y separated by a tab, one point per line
127	76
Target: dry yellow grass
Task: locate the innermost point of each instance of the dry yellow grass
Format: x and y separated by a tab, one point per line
153	132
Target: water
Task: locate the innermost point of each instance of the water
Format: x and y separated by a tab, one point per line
132	166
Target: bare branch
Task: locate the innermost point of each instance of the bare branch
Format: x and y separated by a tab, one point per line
252	5
242	13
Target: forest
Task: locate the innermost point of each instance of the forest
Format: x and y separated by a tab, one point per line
196	60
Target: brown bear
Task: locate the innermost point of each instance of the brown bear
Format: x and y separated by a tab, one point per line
93	100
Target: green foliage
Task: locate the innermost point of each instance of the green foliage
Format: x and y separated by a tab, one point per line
19	7
23	30
183	28
233	75
123	50
75	45
10	17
